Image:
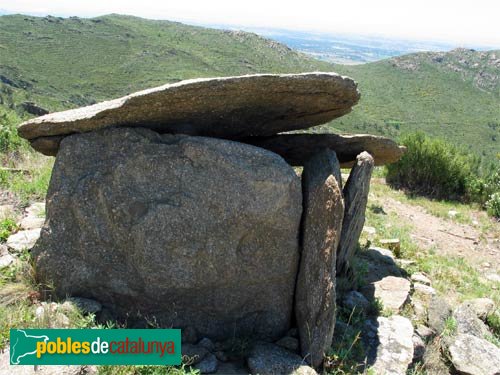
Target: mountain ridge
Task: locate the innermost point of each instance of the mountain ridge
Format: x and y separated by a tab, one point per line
61	63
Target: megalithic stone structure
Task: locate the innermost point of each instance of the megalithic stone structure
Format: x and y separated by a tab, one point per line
321	228
180	204
355	197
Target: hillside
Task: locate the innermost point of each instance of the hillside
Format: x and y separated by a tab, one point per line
453	95
64	63
71	62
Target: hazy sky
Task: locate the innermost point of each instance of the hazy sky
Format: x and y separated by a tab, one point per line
461	22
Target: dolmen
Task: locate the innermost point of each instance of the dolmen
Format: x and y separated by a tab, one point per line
180	204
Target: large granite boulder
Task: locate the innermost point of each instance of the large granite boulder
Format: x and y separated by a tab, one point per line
191	230
355	199
296	149
321	227
224	107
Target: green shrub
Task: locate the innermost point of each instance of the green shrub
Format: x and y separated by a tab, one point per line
431	167
9	139
493	205
7	226
481	189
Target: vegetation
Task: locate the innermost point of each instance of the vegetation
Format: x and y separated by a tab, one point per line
20	296
60	63
451	275
9	139
63	63
7	227
444	95
437	169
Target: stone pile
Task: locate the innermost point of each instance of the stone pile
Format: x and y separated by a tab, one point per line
180	203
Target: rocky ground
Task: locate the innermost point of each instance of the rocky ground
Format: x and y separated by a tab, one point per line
396	317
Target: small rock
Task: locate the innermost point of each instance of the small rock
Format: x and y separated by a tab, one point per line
52	315
5	258
380	254
419	277
405	262
424	332
304	370
7	369
393	244
355	299
208	365
493	277
474	356
392	291
419	309
189	335
289	343
438	311
6	211
271	359
195	353
36	209
390	349
371	231
468	322
424	289
85	305
418	348
31	222
481	306
207	344
24	239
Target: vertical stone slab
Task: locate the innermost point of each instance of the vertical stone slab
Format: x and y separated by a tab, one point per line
321	227
355	197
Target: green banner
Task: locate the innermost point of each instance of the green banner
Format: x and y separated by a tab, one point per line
95	346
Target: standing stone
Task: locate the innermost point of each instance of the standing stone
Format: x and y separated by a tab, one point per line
321	226
194	231
355	196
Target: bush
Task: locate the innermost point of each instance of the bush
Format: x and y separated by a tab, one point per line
493	205
438	169
431	167
9	139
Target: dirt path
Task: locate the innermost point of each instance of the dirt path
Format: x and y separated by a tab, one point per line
481	250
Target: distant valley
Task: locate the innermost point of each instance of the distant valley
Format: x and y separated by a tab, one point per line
346	49
57	63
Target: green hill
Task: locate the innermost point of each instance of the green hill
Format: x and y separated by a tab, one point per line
63	63
453	95
71	62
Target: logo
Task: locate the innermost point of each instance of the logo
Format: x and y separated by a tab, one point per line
95	347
